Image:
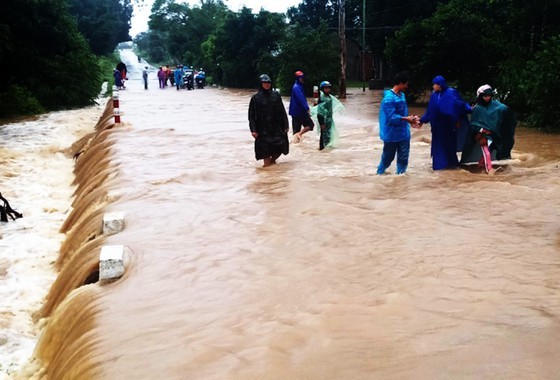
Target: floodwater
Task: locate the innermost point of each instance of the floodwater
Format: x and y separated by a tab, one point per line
314	268
35	177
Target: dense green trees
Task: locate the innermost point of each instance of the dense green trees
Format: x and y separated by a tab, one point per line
535	86
245	45
43	59
46	62
510	44
314	51
103	23
177	31
312	13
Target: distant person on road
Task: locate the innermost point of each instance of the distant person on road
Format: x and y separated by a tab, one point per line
123	70
299	109
268	123
178	75
170	76
118	79
394	127
145	77
162	77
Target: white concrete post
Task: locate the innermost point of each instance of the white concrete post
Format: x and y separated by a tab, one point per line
111	262
113	223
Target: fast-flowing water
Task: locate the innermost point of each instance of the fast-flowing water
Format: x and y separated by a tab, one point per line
314	268
35	177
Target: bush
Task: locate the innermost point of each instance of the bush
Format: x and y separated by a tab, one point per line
539	85
18	101
107	64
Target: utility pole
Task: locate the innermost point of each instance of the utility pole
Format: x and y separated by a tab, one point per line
364	47
342	37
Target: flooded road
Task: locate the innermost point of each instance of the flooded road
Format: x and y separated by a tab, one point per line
316	268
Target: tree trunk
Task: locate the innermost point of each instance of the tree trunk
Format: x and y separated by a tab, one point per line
342	37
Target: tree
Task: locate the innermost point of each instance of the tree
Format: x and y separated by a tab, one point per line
535	87
473	42
460	41
311	13
385	17
103	23
44	59
182	30
152	44
246	45
314	51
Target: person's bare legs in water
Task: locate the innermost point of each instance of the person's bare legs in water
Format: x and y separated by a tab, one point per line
299	135
268	161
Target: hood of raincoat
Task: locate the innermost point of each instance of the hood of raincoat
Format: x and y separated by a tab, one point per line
441	81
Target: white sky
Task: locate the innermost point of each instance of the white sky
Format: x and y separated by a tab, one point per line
141	14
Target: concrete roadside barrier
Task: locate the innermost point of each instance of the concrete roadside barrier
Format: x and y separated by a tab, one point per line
113	223
111	262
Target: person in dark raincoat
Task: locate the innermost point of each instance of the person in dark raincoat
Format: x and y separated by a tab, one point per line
268	123
118	79
145	77
492	131
124	71
447	114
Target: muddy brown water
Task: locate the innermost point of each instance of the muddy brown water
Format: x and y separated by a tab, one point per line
316	268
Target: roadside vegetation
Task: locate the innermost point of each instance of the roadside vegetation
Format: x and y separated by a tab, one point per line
55	52
50	60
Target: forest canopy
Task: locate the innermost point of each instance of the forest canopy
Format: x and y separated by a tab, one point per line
50	56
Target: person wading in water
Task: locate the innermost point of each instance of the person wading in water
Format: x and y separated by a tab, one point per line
268	123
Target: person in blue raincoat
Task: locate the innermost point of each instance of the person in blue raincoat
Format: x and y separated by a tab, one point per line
299	109
394	127
447	114
178	76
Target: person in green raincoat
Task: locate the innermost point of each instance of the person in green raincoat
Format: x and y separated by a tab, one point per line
491	133
326	106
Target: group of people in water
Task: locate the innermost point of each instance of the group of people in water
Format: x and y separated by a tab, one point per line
487	135
268	120
120	75
182	76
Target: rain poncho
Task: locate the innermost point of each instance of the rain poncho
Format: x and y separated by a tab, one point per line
118	78
500	121
298	101
391	126
447	115
267	117
323	113
178	74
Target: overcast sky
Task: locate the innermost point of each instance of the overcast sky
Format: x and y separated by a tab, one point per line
141	14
